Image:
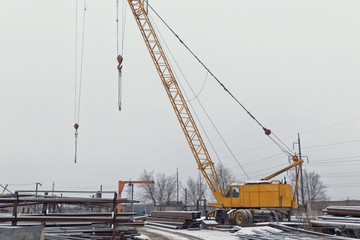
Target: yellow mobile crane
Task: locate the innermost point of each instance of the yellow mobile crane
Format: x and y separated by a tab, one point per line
241	202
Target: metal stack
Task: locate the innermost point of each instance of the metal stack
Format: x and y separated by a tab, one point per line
339	220
279	231
175	219
70	217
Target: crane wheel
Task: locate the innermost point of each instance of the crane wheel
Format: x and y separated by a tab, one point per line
241	217
274	216
249	215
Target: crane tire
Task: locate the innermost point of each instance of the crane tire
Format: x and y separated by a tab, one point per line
241	218
249	215
274	216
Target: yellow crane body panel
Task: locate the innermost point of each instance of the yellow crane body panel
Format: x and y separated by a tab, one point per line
259	194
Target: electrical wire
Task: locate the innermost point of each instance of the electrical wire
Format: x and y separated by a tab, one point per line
342	163
267	171
344	185
332	144
337	173
336	159
332	125
341	176
257	162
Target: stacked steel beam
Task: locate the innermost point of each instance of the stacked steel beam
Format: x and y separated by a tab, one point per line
60	224
175	219
339	220
343	211
278	231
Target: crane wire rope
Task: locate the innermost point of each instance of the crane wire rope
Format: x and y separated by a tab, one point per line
202	107
202	87
120	53
78	80
285	149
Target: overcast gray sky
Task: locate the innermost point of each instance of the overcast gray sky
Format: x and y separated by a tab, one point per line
293	64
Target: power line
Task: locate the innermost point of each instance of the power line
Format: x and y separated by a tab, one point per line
332	125
256	162
332	164
337	173
267	171
344	185
332	144
341	176
331	159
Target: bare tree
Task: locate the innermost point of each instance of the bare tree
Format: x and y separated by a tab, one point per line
160	193
314	188
225	175
196	188
165	189
148	190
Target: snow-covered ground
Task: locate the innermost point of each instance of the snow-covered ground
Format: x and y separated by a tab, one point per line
180	234
251	232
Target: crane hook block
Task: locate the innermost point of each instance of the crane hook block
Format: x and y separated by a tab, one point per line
119	59
76	126
267	131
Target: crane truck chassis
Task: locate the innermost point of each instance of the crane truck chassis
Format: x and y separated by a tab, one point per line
254	201
241	202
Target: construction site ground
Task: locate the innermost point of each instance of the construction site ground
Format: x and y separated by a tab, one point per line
156	233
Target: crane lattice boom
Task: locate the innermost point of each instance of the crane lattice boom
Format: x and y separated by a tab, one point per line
192	134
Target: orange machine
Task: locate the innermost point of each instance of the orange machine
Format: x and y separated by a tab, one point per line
122	185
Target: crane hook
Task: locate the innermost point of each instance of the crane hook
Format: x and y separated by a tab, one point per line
119	59
76	126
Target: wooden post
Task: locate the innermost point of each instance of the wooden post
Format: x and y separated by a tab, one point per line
115	214
14	222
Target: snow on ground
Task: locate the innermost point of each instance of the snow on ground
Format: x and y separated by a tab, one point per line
213	234
203	233
250	230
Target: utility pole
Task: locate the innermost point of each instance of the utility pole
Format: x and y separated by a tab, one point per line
177	186
200	192
301	173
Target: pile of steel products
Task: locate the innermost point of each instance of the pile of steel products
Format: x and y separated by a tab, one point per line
353	211
175	219
103	232
339	220
71	217
279	231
